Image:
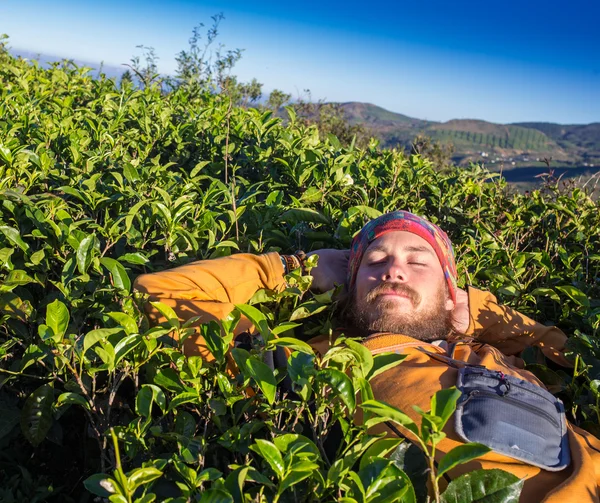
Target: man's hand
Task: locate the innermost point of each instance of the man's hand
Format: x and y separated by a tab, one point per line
460	314
331	270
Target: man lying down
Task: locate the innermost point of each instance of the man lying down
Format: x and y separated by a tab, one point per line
401	278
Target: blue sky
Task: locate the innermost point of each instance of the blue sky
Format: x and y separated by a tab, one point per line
526	60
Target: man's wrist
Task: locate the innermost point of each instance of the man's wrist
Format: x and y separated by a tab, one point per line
292	262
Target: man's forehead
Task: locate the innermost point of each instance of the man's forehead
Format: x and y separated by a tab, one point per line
401	241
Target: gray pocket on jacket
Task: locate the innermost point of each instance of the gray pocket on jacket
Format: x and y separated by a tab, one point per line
512	417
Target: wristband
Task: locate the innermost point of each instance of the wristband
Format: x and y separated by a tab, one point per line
293	262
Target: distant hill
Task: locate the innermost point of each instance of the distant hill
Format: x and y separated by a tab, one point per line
585	137
496	145
47	59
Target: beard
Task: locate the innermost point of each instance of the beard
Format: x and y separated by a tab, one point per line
377	313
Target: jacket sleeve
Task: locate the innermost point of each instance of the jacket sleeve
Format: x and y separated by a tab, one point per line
510	331
210	289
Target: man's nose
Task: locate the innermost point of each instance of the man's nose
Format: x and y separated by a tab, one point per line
395	271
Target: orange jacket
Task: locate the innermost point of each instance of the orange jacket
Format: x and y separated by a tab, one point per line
495	337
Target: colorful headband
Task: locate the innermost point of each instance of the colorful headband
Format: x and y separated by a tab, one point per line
408	222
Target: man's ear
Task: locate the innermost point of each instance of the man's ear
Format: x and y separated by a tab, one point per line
450	304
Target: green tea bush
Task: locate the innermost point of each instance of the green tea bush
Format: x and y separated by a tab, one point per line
100	184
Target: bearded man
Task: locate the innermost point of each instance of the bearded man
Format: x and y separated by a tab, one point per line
401	278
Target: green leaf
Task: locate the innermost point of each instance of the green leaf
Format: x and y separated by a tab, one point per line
363	356
303	215
15	307
264	377
72	399
168	313
341	385
292	343
271	455
257	318
443	404
134	258
14	279
101	485
216	343
284	327
215	495
575	294
383	362
546	292
169	379
307	309
298	444
84	253
36	257
57	318
390	413
36	415
125	345
484	486
380	448
148	395
297	475
120	279
461	454
126	321
227	244
93	336
14	237
185	397
142	476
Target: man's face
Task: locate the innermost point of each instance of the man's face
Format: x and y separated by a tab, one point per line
400	287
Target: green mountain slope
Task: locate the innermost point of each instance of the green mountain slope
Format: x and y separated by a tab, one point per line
507	145
585	137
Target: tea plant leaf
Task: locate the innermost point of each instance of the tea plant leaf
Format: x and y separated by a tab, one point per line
57	318
264	377
14	237
459	455
168	313
125	345
486	486
303	215
142	476
380	448
443	404
258	319
214	495
363	356
36	415
148	395
14	279
575	295
270	453
126	321
84	253
100	485
390	413
119	275
134	258
341	385
72	399
94	336
383	362
291	343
